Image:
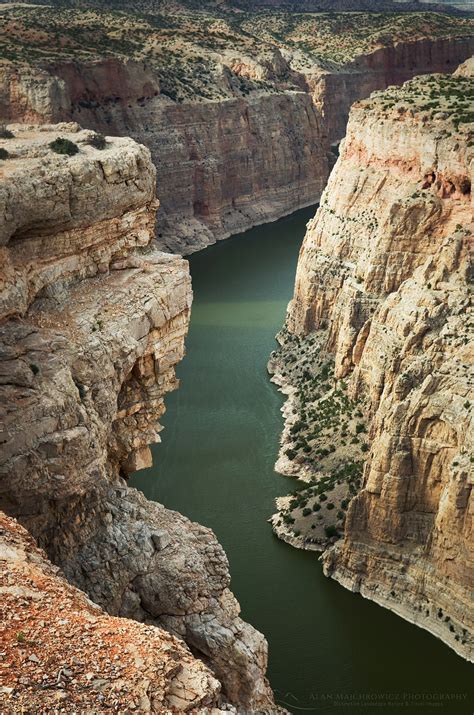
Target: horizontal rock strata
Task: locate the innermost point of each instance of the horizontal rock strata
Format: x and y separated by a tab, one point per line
94	321
259	149
384	277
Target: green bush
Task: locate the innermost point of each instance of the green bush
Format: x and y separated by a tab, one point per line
6	133
4	154
306	511
98	141
64	146
330	531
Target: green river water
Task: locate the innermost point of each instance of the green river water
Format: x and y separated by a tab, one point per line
330	651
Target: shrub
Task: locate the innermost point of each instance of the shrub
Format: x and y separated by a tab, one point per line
330	531
34	368
330	505
64	146
322	497
4	154
6	133
306	511
81	389
365	447
290	453
98	141
316	506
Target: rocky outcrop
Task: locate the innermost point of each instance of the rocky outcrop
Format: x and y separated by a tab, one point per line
383	277
63	651
94	320
259	150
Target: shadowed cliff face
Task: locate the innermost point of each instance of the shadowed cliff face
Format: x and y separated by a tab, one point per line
385	268
259	150
93	324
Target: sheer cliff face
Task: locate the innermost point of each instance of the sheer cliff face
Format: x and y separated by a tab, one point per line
93	323
385	267
224	165
334	92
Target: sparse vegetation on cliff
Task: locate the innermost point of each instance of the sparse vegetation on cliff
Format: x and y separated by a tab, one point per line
214	54
64	146
321	442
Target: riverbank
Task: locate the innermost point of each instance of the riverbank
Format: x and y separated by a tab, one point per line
322	445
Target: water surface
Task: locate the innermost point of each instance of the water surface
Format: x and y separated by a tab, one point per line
330	650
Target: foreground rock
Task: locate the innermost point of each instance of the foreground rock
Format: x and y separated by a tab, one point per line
382	288
63	653
94	320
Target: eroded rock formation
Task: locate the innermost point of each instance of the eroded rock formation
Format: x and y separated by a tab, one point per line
385	270
68	653
93	323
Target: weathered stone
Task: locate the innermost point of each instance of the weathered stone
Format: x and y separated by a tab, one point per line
385	268
84	372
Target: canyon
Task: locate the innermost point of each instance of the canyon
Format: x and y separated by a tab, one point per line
382	302
241	114
93	323
375	356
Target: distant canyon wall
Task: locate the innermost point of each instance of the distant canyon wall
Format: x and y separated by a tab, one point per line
335	92
223	166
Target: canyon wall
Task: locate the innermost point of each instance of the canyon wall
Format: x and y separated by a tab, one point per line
93	324
334	92
228	164
383	279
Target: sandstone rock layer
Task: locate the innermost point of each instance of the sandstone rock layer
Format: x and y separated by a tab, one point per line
225	165
94	321
385	269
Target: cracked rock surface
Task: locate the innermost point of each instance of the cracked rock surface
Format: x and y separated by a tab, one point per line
94	321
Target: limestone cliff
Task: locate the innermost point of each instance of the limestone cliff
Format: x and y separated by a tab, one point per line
382	287
93	323
239	112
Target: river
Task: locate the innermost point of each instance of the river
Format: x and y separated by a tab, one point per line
330	650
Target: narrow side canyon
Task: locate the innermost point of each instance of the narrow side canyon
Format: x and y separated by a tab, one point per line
93	324
377	360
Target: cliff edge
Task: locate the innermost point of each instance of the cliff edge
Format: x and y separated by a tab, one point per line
93	323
